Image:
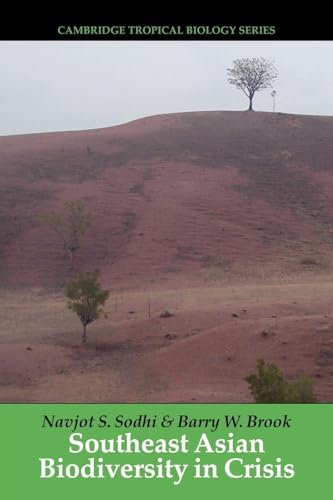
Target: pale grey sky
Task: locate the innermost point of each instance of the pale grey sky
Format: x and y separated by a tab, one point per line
49	86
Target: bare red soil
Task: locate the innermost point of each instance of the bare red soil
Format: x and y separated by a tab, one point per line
194	212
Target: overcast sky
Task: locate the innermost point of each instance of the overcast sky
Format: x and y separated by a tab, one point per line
49	86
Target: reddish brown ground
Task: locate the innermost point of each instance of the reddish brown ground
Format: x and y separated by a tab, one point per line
205	214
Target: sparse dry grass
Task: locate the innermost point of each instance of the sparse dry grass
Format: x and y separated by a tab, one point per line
131	358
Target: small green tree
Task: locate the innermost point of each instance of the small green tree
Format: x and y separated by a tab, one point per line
269	385
86	298
70	224
304	389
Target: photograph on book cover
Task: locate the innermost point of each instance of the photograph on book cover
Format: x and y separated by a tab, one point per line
166	218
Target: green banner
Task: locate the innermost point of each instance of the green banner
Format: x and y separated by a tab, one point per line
165	451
